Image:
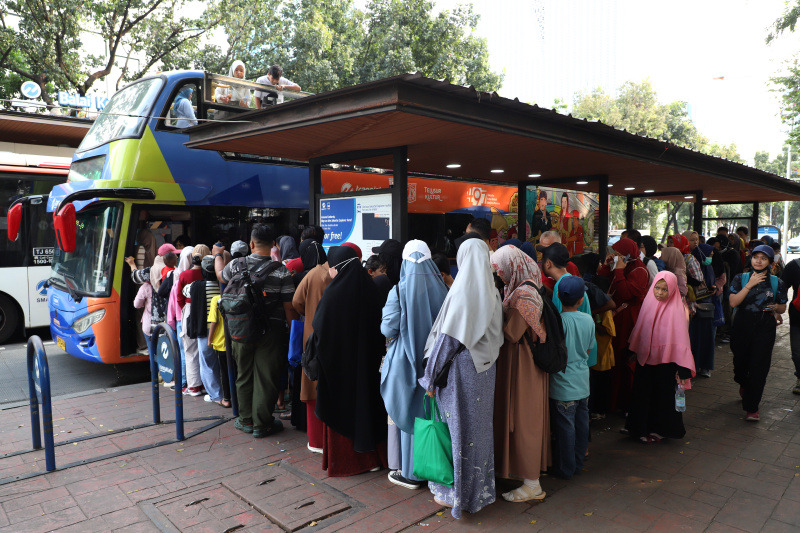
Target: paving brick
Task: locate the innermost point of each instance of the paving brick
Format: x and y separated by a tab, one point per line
746	511
684	506
123	517
34	498
100	502
774	526
787	511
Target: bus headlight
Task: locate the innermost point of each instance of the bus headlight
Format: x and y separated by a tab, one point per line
83	323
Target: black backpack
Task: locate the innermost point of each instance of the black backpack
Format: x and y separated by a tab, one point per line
550	355
244	304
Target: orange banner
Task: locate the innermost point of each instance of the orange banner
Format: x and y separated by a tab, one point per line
427	195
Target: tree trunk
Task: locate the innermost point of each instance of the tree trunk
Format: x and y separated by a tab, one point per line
672	210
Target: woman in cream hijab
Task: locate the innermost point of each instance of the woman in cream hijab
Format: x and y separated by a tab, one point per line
234	95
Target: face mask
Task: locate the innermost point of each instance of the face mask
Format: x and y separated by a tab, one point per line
707	261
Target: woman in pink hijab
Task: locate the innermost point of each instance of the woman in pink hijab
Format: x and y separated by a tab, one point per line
664	359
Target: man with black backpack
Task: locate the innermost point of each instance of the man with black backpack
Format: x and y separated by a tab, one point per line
256	305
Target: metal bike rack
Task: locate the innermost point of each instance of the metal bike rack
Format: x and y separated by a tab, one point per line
39	392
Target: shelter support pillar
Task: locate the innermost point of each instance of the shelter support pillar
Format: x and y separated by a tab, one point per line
400	193
629	213
698	213
754	222
602	208
314	189
522	211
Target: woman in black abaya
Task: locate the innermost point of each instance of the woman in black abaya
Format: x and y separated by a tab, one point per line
349	347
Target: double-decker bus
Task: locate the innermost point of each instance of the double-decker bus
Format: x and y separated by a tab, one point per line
132	171
25	260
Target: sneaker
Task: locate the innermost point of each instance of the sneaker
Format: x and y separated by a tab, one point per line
193	391
313	450
396	477
752	417
170	384
705	373
796	388
726	339
247	428
598	416
207	398
276	427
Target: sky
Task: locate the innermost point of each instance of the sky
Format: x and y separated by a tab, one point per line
555	48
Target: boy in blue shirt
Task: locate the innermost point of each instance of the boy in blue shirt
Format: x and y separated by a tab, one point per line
569	391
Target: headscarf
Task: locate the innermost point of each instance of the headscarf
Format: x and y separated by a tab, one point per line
472	312
147	240
675	263
184	263
628	249
688	234
295	265
417	301
354	247
735	242
703	256
288	249
661	334
184	94
239	93
348	344
312	254
529	250
514	268
680	242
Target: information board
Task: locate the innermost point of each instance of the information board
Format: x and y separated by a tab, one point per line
362	220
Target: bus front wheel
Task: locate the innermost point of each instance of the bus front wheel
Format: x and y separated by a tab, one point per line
9	318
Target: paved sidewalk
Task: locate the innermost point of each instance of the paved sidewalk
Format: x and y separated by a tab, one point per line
727	475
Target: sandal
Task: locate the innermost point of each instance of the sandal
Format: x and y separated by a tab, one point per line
225	403
651	439
440	502
283	409
286	416
524	494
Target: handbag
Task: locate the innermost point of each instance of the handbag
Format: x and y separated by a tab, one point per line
296	342
433	448
704	309
440	380
309	360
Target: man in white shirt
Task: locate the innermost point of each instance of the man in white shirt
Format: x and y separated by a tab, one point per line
275	78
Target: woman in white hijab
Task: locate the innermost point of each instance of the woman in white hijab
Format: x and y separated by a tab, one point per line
234	95
469	332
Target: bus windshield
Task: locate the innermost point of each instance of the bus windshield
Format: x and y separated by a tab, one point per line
125	115
87	270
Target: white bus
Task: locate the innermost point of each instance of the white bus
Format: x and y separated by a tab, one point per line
25	263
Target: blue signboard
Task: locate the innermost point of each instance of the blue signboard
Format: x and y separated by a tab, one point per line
166	364
338	217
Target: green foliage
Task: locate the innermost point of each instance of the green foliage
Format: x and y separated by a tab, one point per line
635	108
324	45
787	21
46	42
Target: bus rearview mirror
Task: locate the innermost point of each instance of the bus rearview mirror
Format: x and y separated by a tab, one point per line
14	221
64	224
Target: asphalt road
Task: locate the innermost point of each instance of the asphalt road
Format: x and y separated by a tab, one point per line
68	374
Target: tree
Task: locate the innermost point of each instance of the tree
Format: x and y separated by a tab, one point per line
324	45
636	109
46	43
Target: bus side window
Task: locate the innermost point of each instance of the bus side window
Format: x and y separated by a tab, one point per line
183	110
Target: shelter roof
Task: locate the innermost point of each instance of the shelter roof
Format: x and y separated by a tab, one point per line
446	124
51	130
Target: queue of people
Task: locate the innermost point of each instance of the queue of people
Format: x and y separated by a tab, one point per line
519	350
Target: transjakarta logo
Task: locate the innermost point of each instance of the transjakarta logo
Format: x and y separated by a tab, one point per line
348	187
477	196
41	288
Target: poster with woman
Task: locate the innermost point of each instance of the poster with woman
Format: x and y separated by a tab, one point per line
569	213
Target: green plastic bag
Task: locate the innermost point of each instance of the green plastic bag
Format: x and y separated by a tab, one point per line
433	449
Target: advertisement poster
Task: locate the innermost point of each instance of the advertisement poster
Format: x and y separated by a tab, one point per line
430	195
570	213
363	220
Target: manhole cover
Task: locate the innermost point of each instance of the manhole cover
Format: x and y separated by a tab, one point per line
268	497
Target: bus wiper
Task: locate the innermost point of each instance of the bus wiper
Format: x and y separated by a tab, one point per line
69	281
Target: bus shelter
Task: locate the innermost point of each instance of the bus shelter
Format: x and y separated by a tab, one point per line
413	124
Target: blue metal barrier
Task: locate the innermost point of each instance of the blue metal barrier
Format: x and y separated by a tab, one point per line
167	350
39	391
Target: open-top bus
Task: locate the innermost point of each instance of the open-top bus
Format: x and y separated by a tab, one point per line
131	171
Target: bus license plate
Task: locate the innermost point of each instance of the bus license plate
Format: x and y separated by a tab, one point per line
61	343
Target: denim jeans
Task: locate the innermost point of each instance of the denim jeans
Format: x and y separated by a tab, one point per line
183	355
570	422
209	369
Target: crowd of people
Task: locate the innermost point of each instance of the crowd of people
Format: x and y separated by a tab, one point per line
630	328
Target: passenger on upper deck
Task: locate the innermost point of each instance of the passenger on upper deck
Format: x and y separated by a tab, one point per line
183	110
275	78
234	95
